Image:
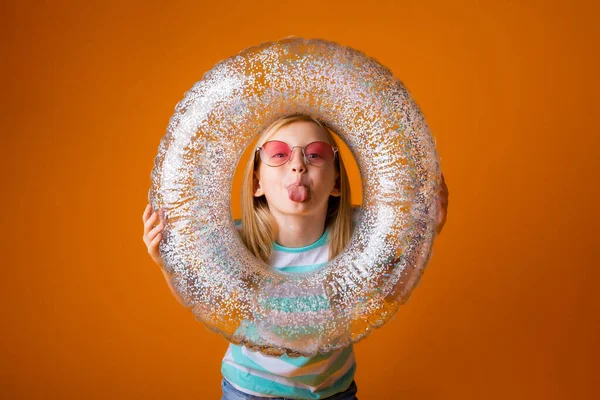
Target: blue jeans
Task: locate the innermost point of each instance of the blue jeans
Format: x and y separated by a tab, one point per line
231	393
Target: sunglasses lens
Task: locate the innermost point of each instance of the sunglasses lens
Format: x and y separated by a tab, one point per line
275	153
319	154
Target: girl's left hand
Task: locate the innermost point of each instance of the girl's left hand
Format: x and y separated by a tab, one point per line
443	206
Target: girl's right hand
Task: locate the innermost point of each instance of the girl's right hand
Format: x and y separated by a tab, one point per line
152	236
443	206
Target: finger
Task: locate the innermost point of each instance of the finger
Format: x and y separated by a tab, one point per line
149	222
149	237
147	212
158	228
156	240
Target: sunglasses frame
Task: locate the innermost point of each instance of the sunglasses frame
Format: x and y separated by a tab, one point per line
333	148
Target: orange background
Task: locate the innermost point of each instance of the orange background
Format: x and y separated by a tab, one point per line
507	307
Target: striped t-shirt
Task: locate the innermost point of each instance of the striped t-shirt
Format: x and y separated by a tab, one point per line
315	377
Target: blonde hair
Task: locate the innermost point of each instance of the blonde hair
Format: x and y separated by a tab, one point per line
259	228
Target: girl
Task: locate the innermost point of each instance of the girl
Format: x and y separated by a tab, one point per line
296	215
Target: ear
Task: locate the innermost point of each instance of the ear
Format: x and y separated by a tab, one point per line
258	191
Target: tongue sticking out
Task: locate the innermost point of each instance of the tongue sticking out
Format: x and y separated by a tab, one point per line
298	193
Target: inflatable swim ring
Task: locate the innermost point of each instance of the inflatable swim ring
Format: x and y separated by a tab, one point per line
225	286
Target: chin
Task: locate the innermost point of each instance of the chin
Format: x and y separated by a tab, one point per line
292	207
296	207
303	208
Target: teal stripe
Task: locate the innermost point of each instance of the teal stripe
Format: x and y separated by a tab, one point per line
248	329
296	304
266	386
296	332
317	379
241	359
302	268
321	242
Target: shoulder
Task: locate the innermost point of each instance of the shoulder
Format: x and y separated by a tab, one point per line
355	214
238	224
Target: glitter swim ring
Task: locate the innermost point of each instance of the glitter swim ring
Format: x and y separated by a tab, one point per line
227	288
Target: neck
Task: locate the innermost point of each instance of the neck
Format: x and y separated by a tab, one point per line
299	230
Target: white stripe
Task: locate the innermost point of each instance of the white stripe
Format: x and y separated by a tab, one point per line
297	319
280	259
280	367
273	378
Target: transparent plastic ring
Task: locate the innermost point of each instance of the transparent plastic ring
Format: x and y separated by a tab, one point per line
227	288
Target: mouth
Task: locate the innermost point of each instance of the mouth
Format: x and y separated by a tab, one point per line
298	192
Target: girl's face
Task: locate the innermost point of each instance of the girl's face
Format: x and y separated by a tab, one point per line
297	187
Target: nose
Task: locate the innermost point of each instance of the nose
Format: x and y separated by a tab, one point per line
297	161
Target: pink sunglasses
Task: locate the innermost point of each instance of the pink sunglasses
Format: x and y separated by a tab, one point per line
275	153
